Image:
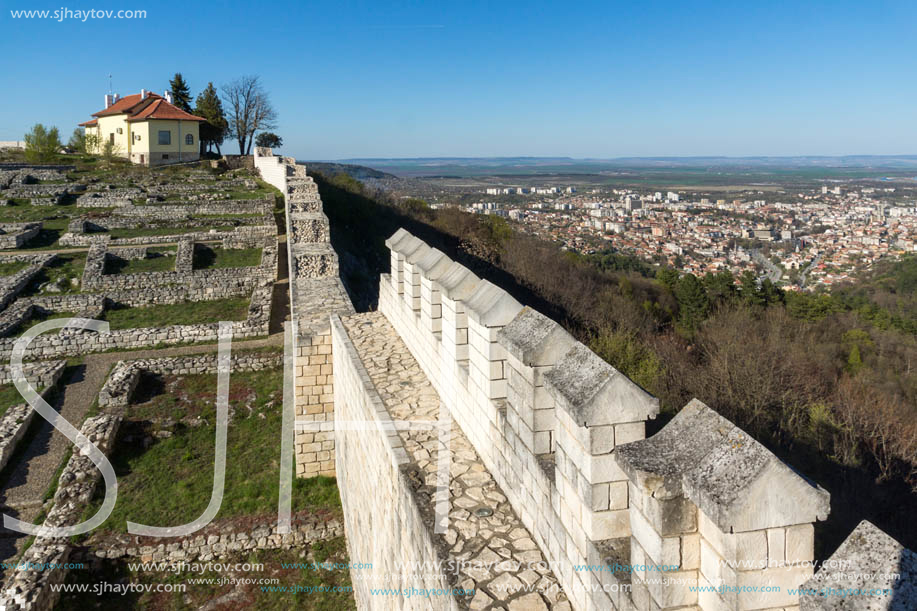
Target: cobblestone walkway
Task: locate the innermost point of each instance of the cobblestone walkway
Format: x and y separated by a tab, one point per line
506	568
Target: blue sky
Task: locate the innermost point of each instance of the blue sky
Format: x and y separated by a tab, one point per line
581	79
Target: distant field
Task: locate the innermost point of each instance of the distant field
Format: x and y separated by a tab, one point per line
673	172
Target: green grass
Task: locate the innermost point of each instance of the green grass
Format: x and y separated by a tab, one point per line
169	483
66	266
249	215
190	313
216	258
8	268
158	260
36	318
22	211
237	194
9	397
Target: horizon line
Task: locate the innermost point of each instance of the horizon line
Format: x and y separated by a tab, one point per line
626	157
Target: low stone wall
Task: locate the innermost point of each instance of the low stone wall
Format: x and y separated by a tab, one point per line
218	540
98	224
208	185
30	590
95	278
182	211
76	342
80	240
11	286
27	191
15	235
108	198
15	422
41	374
121	382
377	486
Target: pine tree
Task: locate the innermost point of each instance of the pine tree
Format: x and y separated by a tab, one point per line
209	106
181	94
693	304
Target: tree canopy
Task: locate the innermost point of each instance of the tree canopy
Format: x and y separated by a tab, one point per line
209	106
249	110
42	144
268	140
181	94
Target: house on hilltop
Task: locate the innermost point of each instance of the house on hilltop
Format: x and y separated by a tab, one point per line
146	128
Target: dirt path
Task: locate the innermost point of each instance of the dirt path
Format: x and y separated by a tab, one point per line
32	470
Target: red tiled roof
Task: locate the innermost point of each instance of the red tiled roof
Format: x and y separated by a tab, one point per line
90	123
123	105
160	109
153	106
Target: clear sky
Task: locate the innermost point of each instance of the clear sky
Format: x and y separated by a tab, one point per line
500	78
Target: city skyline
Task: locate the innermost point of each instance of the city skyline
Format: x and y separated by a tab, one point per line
362	80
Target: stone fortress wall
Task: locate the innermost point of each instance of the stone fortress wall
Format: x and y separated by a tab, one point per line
700	505
562	433
316	292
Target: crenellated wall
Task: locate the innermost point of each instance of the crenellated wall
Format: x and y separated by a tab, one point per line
698	506
699	516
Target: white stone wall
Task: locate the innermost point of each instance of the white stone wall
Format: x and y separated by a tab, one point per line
273	170
452	321
550	420
381	515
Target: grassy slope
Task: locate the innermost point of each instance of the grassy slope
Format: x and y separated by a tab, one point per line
170	482
190	313
217	258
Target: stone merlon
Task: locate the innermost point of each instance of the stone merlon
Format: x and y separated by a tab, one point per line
866	560
732	478
594	393
535	339
457	282
406	244
491	306
434	264
396	237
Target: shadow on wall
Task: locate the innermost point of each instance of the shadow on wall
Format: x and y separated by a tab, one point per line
359	227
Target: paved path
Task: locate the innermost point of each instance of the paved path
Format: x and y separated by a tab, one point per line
478	540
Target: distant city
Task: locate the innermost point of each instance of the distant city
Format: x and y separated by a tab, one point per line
803	232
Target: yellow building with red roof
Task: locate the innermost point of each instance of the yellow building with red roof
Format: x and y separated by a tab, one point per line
147	129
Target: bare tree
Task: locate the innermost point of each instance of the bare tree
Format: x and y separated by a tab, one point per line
248	110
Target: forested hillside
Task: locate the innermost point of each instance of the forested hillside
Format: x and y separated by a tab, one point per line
829	382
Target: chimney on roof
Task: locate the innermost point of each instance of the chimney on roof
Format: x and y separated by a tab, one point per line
116	98
109	100
143	93
168	96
